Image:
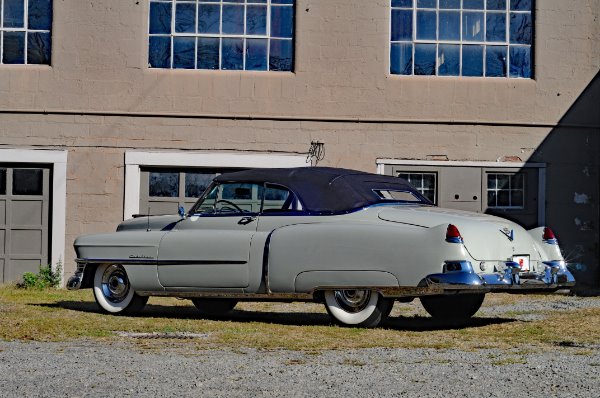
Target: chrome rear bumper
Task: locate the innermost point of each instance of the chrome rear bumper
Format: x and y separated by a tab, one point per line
462	277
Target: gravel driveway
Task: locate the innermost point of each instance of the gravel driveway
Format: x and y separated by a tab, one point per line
117	369
170	367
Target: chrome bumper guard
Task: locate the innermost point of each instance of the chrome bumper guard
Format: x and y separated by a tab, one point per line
74	282
459	275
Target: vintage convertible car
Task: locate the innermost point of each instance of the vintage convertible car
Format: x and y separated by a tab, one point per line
352	240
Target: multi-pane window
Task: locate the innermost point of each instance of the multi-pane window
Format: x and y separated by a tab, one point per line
25	31
506	191
175	184
476	38
226	34
162	191
424	183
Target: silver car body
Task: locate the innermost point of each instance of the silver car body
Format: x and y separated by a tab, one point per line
400	249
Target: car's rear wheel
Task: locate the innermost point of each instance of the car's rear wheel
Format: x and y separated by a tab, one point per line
458	307
113	291
364	308
214	307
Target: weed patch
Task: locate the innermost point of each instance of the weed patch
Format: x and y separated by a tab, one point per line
46	278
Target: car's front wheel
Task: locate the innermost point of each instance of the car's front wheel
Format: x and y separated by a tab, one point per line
214	307
365	308
456	307
113	291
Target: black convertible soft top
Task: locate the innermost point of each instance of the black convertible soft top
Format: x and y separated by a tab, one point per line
326	189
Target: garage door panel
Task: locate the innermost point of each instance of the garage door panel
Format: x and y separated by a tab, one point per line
26	242
25	198
28	212
19	267
163	208
2	212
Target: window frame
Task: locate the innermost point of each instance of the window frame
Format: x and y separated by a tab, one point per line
422	173
296	199
461	42
137	160
510	190
196	35
26	30
181	199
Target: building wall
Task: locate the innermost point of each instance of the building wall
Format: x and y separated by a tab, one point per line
99	99
99	62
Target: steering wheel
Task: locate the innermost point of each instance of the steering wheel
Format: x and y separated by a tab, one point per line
229	203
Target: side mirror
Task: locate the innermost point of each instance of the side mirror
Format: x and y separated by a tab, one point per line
181	212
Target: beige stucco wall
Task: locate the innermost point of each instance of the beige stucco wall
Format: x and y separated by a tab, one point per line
101	100
99	62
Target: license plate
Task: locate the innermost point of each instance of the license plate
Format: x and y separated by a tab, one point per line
523	262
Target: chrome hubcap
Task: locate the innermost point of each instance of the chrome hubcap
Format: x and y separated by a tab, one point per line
353	300
115	285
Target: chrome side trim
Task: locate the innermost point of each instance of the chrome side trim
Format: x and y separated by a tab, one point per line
237	296
153	261
115	261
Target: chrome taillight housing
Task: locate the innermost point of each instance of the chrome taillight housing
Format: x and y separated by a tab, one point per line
549	237
453	234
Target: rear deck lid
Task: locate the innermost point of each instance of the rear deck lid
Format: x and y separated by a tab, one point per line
485	237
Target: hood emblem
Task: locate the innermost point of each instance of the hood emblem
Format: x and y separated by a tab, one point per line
510	234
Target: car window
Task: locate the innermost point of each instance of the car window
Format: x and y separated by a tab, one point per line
207	204
230	199
278	199
397	195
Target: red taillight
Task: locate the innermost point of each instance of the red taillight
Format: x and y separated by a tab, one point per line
548	236
453	234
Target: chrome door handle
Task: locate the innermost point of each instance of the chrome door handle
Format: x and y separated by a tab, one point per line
246	220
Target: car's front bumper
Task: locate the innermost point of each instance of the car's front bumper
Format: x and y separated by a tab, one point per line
75	281
462	277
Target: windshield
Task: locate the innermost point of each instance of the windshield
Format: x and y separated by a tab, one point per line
244	198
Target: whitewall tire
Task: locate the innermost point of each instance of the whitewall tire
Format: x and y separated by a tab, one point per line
364	308
455	307
113	291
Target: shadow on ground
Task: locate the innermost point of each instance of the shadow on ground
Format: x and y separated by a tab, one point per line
402	323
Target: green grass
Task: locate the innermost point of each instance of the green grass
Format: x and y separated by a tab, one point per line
61	315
